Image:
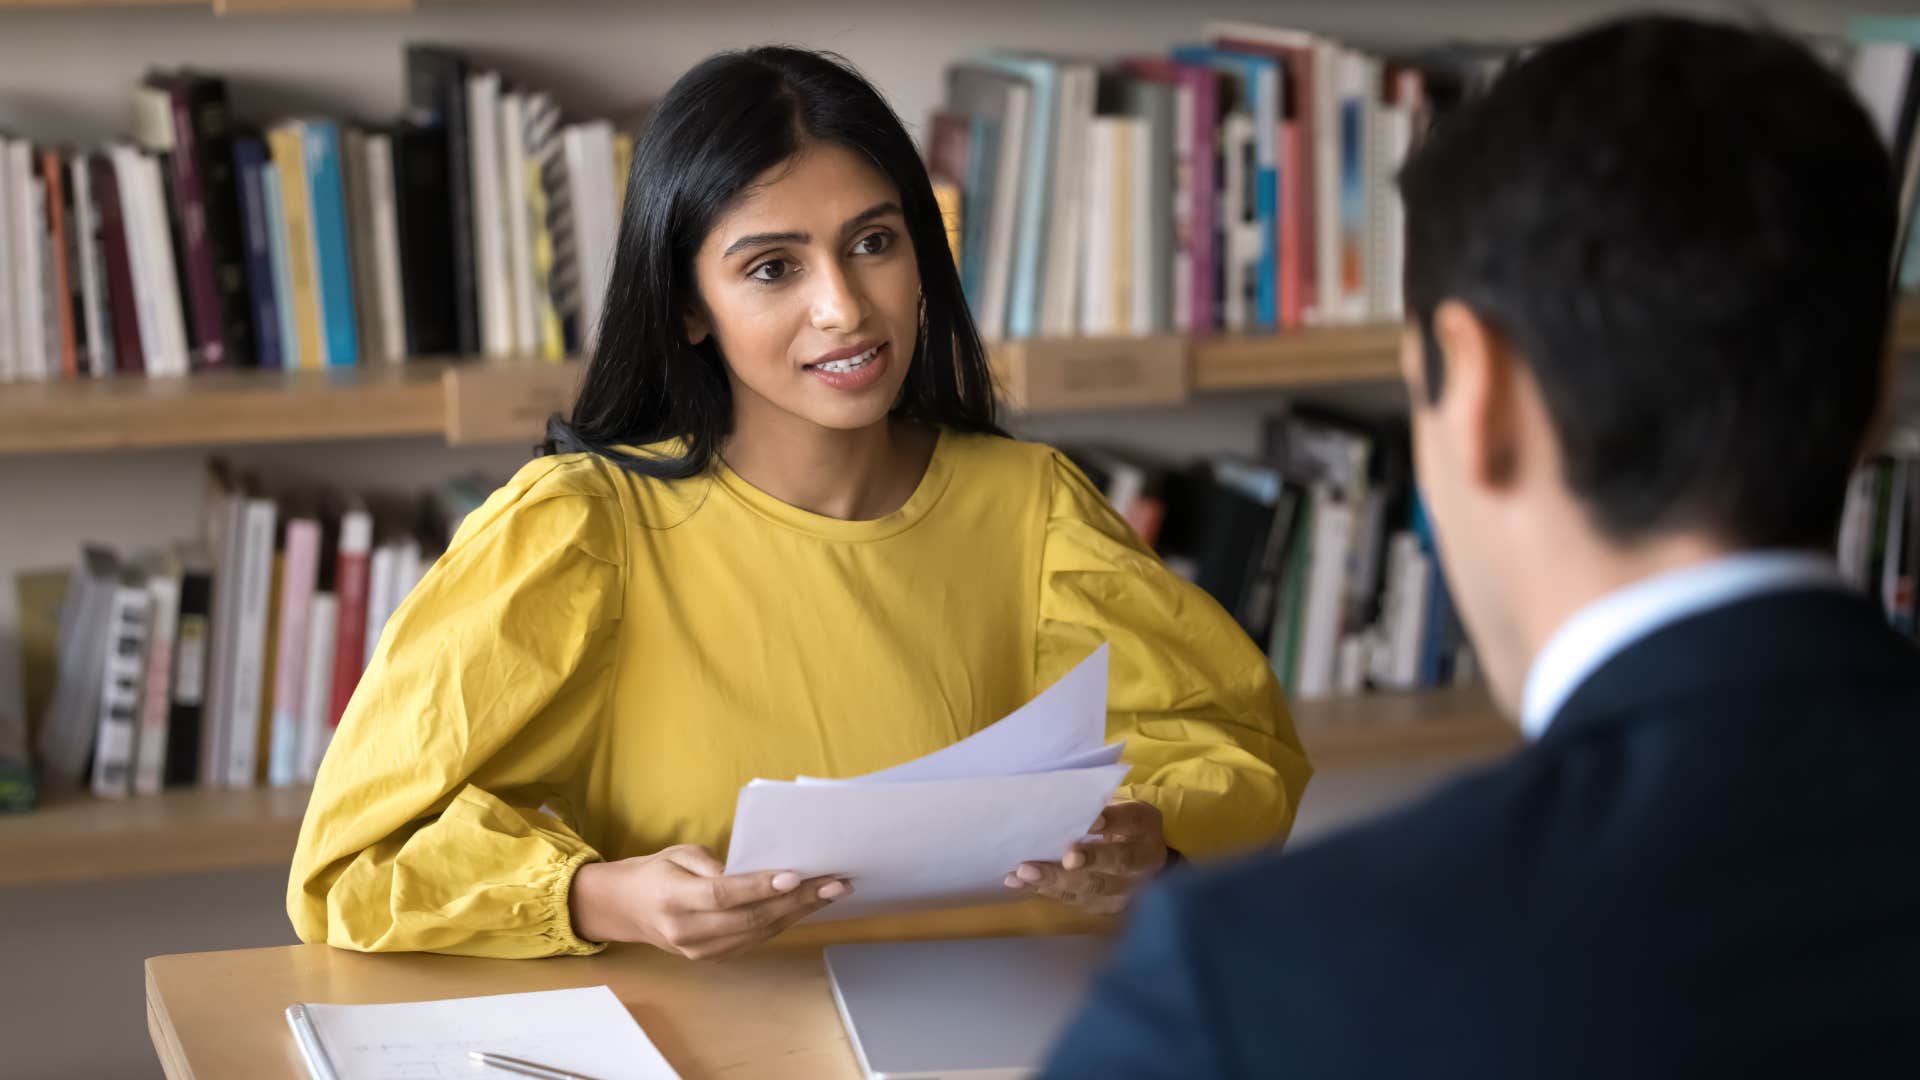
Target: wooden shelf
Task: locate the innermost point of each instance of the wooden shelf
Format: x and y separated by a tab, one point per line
1385	729
81	838
1297	359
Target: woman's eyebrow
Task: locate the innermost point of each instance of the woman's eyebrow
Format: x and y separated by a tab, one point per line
768	239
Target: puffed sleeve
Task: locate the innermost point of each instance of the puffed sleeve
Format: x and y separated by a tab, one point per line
1207	731
440	818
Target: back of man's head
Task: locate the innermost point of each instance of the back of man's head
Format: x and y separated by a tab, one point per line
1684	231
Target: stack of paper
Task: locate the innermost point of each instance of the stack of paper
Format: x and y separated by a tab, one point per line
945	829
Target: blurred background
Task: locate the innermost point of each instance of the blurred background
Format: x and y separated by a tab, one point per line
287	286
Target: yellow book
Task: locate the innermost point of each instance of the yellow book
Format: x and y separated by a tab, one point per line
947	194
622	165
290	159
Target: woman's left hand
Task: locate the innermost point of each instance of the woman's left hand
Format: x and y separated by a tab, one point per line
1101	874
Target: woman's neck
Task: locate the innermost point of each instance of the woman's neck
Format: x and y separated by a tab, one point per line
848	475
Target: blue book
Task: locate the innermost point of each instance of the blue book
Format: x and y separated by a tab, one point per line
250	162
331	254
1261	87
1901	28
282	283
1036	196
976	214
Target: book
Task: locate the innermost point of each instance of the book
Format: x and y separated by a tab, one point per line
116	268
158	276
332	250
257	226
519	234
350	612
426	241
210	117
300	574
1066	218
316	711
288	144
163	125
28	223
1035	189
1259	89
589	152
491	273
389	309
65	734
187	694
226	513
997	101
9	337
542	166
358	189
120	687
437	101
292	354
248	667
96	315
156	678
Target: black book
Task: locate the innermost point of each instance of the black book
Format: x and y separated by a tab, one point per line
192	644
1222	531
437	98
220	191
420	178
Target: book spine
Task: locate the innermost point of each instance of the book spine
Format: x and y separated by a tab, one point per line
9	336
489	224
94	314
225	229
118	291
332	251
359	204
164	266
437	96
513	186
379	600
150	764
255	567
120	692
1206	183
426	241
29	241
301	572
350	584
62	356
187	694
250	161
316	712
290	160
282	266
386	250
203	296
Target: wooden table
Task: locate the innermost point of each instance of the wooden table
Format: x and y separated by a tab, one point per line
770	1013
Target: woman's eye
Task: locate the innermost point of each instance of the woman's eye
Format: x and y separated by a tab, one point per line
769	271
874	243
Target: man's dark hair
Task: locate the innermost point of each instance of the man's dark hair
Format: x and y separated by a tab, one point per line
1684	229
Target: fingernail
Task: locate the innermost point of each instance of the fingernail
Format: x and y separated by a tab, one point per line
1011	882
1074	860
1099	823
786	882
1028	872
833	890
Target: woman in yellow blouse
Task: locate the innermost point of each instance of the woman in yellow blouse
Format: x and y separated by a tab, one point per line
781	533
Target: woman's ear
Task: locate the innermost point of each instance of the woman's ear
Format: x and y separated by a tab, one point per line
699	327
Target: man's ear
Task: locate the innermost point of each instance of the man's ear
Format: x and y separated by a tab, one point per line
1479	406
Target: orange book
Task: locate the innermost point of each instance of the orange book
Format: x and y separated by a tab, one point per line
54	173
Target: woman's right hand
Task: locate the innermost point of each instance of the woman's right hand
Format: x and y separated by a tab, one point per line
682	901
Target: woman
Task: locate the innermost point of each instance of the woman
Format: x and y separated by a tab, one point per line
780	534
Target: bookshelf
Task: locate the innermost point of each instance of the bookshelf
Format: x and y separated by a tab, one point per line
81	838
471	402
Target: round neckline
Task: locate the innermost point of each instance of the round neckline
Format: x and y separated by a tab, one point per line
933	483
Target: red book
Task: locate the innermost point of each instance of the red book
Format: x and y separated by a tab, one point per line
350	584
127	357
53	171
1295	162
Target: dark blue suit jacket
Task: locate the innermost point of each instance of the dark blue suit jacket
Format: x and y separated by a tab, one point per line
1709	865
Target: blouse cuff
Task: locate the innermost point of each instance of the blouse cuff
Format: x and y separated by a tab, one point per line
559	928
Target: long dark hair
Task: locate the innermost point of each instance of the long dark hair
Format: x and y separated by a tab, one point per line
723	124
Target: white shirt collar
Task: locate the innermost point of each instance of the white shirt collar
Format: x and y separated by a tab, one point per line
1603	629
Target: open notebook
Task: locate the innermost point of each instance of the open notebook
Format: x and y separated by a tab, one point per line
586	1032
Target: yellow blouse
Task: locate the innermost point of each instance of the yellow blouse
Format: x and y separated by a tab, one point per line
600	661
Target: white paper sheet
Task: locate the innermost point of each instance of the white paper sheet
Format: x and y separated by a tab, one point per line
585	1031
917	843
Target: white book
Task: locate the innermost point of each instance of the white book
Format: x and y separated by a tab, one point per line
71	719
389	289
1182	253
316	693
1326	179
1320	621
513	161
133	210
1390	213
1240	266
9	332
589	150
29	223
1067	221
300	573
996	279
379	598
120	682
1404	611
1879	72
172	317
228	551
1146	251
489	215
150	762
86	244
1096	271
249	668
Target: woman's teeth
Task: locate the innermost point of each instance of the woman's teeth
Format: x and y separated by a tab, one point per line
852	363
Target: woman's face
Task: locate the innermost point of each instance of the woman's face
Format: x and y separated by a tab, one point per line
810	289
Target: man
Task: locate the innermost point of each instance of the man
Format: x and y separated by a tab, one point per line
1647	283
